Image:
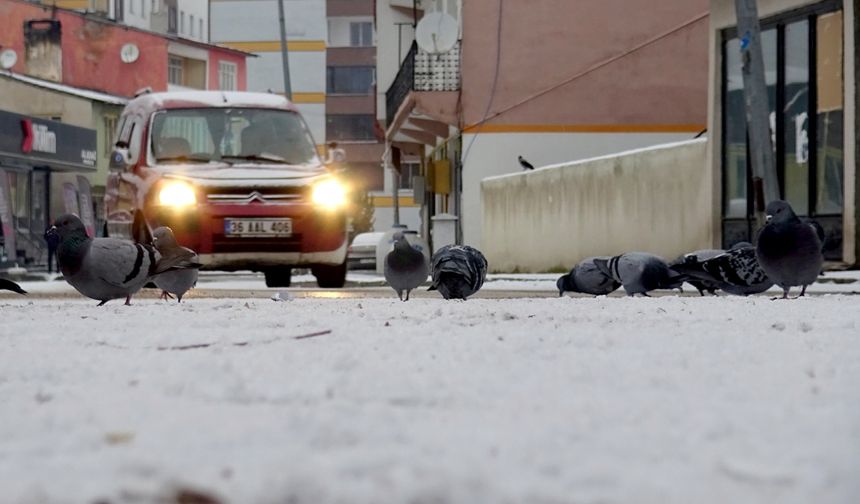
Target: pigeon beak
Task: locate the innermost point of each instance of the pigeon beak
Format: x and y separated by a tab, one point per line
768	218
52	231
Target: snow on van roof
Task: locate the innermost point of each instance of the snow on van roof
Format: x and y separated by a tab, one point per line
181	99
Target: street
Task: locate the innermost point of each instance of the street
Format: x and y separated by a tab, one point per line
354	396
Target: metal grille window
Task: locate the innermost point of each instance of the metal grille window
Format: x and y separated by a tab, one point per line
226	76
350	127
350	80
174	70
361	34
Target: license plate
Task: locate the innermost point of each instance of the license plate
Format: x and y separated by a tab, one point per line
258	227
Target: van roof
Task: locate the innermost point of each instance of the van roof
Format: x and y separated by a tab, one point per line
150	102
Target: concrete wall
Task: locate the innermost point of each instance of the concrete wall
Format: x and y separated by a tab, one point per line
653	200
496	154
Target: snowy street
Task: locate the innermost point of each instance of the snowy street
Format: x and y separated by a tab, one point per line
671	399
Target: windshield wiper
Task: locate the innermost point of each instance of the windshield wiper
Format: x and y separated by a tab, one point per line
195	159
259	157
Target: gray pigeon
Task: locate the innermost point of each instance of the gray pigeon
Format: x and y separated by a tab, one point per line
106	268
587	278
735	271
700	284
178	281
640	273
11	286
405	267
458	271
789	250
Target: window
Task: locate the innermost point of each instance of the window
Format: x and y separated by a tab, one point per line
803	73
350	127
181	21
174	70
171	19
407	172
200	24
361	34
191	24
226	76
143	9
118	10
153	7
350	80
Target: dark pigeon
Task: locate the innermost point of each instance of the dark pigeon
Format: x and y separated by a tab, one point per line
735	271
405	267
587	278
106	268
11	286
701	285
458	271
640	273
525	164
178	281
788	249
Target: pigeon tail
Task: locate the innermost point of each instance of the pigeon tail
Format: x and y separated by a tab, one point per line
11	286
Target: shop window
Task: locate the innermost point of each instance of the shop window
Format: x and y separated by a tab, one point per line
803	72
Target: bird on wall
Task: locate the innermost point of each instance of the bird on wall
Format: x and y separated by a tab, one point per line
525	164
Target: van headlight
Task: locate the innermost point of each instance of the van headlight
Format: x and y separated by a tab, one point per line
177	193
329	194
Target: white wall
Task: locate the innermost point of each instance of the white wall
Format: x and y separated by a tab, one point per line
257	20
314	114
307	72
387	63
137	13
496	154
652	200
200	10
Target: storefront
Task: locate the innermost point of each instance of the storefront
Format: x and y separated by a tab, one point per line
31	149
806	49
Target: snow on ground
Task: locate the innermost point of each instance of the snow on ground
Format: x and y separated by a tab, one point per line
671	399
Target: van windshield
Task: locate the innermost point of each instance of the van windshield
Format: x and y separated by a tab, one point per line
232	134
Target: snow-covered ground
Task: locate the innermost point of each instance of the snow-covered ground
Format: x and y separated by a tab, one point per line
586	400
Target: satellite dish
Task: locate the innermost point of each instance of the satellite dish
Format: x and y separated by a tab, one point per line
8	58
437	33
129	53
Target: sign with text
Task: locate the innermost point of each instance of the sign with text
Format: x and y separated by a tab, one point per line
40	142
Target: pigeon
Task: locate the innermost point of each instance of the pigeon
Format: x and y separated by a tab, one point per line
640	273
179	281
587	278
458	271
788	249
525	164
106	268
700	284
11	286
735	271
405	267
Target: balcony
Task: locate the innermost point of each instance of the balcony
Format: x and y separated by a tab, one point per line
422	72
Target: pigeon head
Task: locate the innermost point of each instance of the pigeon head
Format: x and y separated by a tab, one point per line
163	237
68	226
779	211
566	283
400	242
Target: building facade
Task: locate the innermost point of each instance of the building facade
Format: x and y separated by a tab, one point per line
810	74
252	26
612	77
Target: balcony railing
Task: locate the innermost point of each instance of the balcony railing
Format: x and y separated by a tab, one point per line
422	71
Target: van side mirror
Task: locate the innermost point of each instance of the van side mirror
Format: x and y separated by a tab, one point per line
119	159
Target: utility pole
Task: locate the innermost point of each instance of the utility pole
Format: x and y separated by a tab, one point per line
288	91
762	157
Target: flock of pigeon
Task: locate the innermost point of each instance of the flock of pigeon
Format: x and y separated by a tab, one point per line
787	254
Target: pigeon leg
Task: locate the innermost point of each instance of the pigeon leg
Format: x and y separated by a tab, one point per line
178	298
165	295
102	303
400	294
407	295
128	300
802	292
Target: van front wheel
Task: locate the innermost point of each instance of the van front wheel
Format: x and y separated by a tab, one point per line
330	277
